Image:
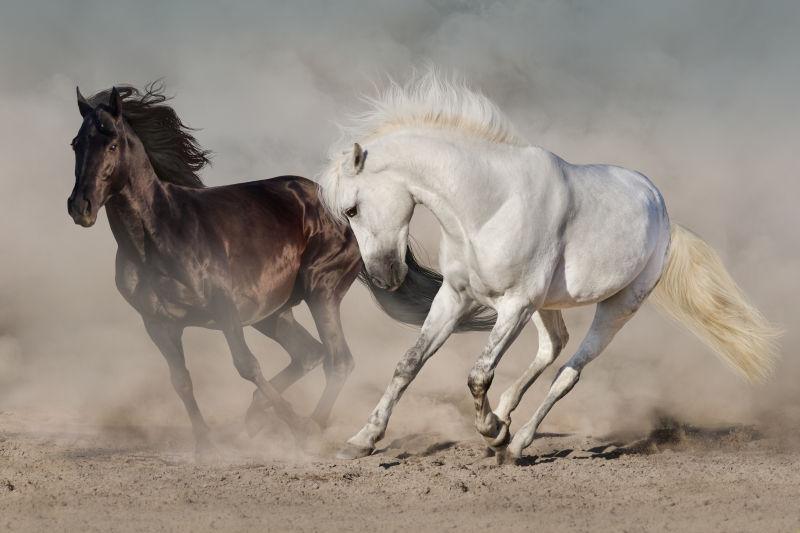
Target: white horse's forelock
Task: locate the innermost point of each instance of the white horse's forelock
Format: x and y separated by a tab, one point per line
427	99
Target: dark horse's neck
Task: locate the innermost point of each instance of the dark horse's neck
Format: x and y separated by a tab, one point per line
132	211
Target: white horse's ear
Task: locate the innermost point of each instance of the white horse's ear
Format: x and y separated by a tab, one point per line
359	157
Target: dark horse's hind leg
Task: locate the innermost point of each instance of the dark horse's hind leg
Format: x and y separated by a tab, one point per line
168	339
305	351
249	368
339	361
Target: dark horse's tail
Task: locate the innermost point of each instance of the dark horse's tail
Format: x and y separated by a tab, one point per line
411	302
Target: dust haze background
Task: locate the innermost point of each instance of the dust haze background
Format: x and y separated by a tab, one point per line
701	98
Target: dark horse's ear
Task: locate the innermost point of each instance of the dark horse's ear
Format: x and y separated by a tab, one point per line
83	106
115	102
359	157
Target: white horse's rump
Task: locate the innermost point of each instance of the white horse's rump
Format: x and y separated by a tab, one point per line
527	234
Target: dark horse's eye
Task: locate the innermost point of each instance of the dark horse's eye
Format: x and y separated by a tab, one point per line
350	213
113	147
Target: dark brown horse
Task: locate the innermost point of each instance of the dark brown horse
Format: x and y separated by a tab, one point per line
224	257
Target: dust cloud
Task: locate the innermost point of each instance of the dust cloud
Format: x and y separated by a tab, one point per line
701	98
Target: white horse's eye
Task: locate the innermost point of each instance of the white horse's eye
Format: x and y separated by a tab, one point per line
350	213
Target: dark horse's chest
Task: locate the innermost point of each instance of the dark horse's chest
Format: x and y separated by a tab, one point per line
155	294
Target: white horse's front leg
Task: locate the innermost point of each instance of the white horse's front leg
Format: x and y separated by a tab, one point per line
512	315
446	310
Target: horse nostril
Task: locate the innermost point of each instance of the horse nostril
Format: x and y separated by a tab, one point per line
87	207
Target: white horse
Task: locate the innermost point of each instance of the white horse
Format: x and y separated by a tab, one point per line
524	233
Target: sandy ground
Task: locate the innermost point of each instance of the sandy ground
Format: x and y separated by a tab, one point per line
79	478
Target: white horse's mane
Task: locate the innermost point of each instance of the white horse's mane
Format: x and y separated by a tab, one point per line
427	99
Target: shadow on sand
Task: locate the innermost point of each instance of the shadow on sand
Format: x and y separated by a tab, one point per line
668	435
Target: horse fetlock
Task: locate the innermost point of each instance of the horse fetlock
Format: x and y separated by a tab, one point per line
492	428
341	368
346	366
312	361
247	370
479	381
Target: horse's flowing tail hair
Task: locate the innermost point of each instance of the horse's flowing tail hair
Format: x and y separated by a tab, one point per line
697	291
411	302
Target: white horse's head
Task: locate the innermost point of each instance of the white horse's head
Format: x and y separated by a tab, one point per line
376	202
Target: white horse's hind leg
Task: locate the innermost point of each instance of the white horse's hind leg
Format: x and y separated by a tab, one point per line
553	337
511	317
610	316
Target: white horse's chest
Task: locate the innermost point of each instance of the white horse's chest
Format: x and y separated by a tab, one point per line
498	264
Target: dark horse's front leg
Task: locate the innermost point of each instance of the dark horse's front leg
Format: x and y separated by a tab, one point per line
338	363
167	337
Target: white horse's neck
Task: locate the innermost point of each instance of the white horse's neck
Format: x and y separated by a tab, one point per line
445	176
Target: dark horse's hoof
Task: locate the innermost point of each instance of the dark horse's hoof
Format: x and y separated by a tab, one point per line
348	452
255	421
205	451
256	417
307	433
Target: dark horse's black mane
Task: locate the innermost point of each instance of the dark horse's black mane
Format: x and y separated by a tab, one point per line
175	154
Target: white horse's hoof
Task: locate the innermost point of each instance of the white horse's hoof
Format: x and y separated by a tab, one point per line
506	457
495	431
352	451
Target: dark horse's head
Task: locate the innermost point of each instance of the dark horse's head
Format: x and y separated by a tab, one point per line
116	124
99	149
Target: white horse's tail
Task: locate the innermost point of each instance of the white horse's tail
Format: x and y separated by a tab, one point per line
697	291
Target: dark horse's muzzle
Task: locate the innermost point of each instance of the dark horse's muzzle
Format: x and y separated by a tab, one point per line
80	209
